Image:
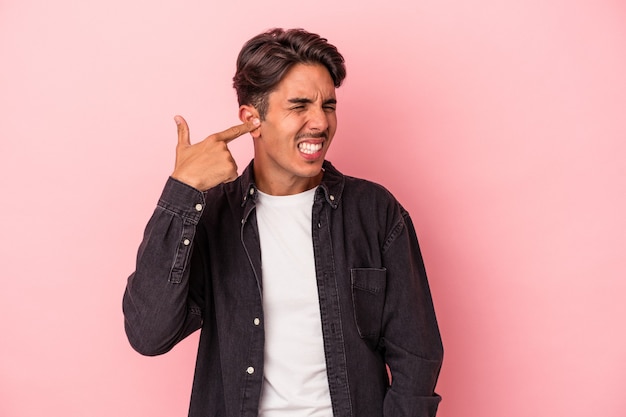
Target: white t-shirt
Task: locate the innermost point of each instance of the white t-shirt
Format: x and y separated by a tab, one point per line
295	382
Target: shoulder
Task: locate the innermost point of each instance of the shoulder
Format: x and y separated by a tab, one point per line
234	193
354	185
356	189
367	202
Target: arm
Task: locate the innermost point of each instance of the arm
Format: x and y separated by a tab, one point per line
413	348
163	299
160	306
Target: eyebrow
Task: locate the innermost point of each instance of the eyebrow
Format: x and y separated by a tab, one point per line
304	100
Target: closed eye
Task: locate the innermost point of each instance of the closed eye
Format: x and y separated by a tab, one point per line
330	105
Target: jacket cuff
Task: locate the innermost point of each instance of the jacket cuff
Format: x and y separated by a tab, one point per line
183	200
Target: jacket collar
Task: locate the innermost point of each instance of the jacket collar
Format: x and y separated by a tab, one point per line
331	186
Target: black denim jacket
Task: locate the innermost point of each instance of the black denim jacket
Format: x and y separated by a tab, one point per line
199	266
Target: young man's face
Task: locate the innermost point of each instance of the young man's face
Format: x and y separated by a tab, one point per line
299	126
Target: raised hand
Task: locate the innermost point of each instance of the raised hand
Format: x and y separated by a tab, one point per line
208	163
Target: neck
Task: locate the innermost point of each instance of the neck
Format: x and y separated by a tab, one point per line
278	186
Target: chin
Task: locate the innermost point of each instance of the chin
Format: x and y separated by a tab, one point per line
313	169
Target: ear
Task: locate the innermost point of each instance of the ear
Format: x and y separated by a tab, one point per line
247	113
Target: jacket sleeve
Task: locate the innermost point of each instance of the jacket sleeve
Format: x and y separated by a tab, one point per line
411	339
161	304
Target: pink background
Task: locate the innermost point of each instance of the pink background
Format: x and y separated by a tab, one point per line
499	124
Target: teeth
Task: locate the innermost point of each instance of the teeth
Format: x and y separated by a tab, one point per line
309	148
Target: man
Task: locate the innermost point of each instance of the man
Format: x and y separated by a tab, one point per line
306	284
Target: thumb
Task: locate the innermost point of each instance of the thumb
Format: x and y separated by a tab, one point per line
183	130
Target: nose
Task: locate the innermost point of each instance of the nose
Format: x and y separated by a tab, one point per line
318	119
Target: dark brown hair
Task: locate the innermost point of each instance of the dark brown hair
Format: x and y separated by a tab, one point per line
265	59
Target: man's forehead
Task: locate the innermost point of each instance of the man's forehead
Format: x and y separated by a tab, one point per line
307	100
307	81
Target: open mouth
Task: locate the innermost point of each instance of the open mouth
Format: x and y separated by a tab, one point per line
309	148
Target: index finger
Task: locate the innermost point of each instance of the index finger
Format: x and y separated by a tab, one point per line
236	131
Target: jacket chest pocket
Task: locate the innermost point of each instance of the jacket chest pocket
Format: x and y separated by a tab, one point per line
368	298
